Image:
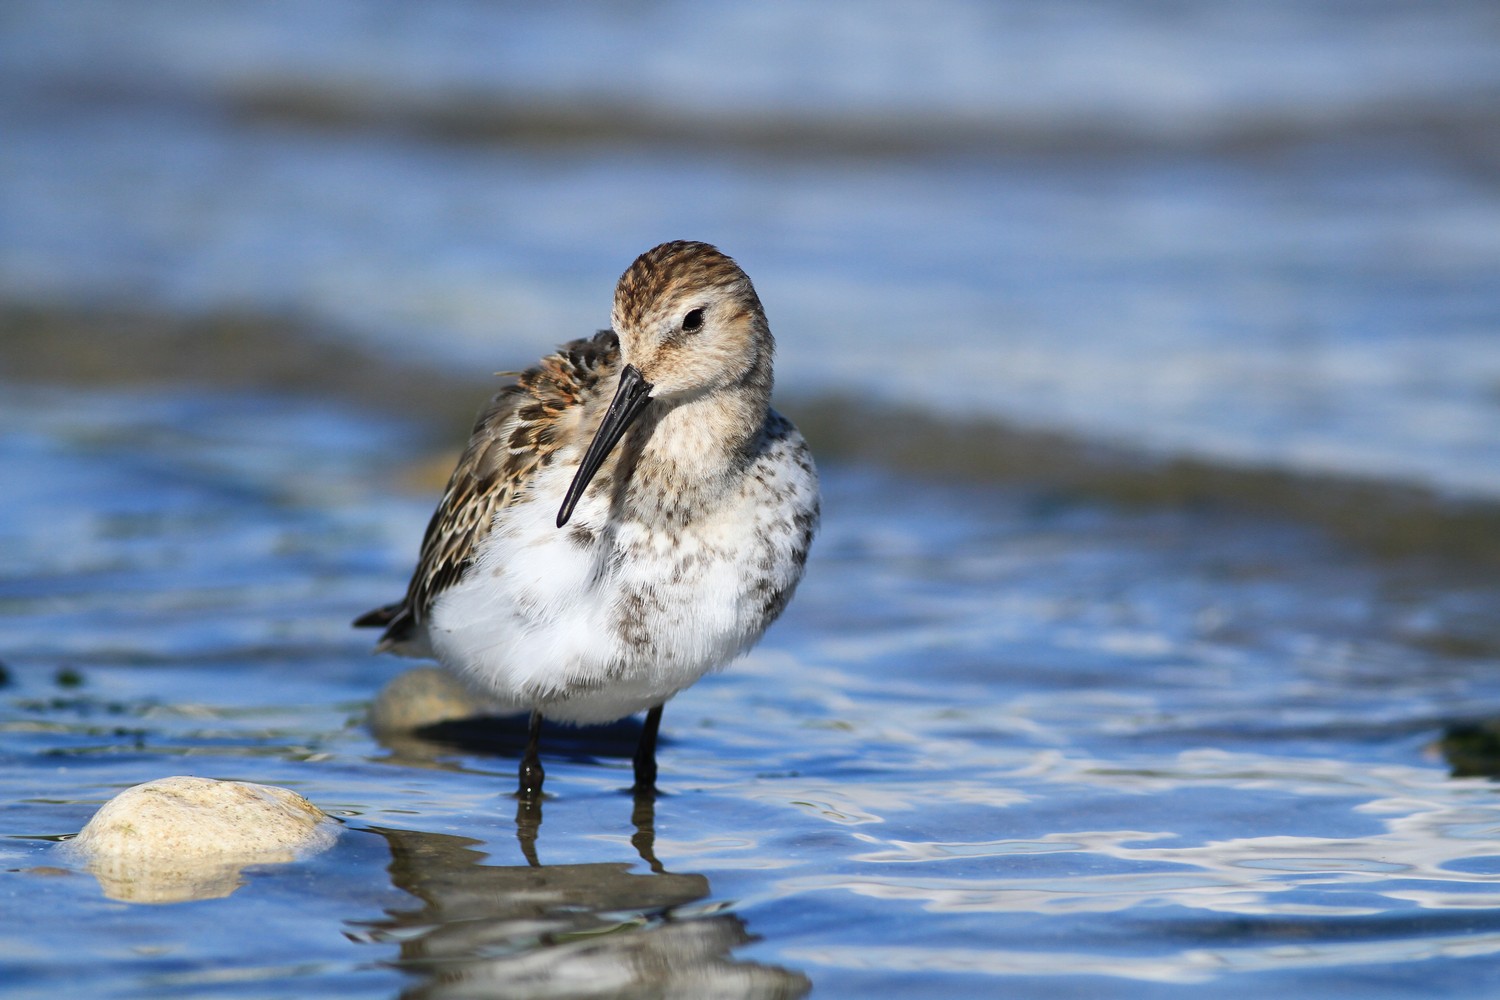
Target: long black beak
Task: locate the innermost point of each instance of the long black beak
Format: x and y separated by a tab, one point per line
630	399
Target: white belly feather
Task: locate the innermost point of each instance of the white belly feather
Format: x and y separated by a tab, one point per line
591	626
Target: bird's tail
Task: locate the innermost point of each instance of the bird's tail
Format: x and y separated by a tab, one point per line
380	617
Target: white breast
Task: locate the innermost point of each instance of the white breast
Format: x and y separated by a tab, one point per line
595	621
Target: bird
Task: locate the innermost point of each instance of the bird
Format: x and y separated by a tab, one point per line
629	514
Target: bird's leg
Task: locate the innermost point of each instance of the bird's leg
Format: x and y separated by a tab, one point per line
645	753
531	764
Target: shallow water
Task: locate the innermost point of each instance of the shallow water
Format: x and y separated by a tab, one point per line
1002	741
1055	712
1257	232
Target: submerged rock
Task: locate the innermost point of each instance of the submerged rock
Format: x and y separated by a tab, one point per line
184	838
425	696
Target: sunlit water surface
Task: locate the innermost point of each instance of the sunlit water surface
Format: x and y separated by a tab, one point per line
1000	742
1007	740
1252	231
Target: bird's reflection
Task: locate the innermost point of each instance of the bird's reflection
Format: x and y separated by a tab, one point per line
581	930
538	930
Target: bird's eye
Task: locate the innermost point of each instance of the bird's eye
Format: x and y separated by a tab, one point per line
693	321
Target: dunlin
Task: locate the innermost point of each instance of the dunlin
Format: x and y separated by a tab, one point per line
628	516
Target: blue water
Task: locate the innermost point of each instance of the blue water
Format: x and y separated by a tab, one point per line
996	743
1261	233
1013	736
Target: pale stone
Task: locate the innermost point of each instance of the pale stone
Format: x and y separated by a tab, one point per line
422	697
185	838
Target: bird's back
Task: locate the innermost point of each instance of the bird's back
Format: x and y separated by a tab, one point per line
515	435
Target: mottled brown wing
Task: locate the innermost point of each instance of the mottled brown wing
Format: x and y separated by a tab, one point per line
515	435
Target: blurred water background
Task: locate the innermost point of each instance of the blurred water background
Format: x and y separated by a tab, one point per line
1151	353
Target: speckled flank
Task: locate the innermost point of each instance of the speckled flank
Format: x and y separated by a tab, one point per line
683	547
515	434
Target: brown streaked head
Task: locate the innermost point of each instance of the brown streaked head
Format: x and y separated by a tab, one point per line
690	325
689	319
